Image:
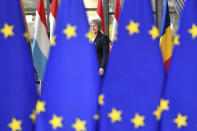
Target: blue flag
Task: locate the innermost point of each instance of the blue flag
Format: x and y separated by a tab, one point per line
135	73
17	82
181	85
71	83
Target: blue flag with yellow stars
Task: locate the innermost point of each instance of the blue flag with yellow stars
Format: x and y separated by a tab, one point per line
181	84
135	73
17	82
70	88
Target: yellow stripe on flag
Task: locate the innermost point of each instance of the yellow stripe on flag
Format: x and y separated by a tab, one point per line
166	44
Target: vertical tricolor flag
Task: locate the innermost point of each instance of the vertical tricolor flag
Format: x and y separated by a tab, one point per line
115	24
53	14
166	36
100	14
41	43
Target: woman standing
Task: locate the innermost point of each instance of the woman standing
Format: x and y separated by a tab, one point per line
101	42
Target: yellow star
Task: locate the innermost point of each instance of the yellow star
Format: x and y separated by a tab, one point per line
70	31
40	107
96	116
154	32
180	120
176	40
157	113
90	35
138	120
79	125
7	30
164	105
52	42
15	125
56	122
193	31
115	115
27	36
101	99
133	27
33	116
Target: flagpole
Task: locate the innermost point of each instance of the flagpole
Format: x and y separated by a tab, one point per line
48	13
159	6
106	18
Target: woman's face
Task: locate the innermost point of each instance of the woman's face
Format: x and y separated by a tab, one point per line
94	28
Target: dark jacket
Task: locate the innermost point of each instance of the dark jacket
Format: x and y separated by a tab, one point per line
102	48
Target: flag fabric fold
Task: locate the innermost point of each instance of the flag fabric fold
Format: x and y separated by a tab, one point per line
41	44
166	44
17	82
134	76
71	83
181	84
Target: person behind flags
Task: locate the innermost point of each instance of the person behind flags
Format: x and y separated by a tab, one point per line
101	42
18	93
41	44
166	36
71	83
181	87
134	77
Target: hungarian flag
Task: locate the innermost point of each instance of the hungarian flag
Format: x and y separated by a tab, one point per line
115	24
100	14
53	14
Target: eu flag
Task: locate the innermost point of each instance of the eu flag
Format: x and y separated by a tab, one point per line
17	82
181	85
70	88
135	73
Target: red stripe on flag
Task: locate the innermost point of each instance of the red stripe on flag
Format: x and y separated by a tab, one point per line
41	12
100	14
167	64
54	8
117	10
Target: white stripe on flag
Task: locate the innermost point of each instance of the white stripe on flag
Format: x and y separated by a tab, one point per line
41	36
52	25
114	29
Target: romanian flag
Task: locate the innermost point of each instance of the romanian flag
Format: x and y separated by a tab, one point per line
166	36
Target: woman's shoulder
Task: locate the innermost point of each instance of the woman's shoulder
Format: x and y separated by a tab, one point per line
103	36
